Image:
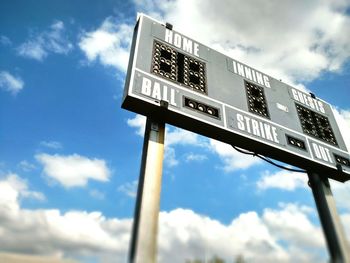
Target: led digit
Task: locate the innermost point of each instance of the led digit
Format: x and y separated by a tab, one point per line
256	100
173	65
316	125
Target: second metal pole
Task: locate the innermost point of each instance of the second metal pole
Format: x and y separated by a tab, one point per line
327	211
143	246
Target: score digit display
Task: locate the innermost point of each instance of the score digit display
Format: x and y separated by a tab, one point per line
316	125
175	66
175	79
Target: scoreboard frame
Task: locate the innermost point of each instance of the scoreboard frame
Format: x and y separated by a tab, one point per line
177	80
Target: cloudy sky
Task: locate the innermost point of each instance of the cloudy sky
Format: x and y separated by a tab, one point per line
70	156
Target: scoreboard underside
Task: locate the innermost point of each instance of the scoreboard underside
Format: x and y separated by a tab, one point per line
177	80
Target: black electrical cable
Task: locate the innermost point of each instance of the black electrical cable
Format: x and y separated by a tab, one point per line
268	160
281	166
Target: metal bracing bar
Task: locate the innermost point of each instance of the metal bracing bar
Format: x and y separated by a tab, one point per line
143	246
332	227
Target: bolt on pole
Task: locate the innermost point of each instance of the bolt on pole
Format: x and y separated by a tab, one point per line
330	221
143	245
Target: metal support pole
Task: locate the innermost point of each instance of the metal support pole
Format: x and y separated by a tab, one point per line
332	227
143	246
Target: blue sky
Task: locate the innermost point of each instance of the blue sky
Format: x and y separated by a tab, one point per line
70	156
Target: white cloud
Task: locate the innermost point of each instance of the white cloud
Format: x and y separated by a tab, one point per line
40	45
26	166
195	157
139	123
282	179
290	181
177	136
292	41
291	223
109	44
51	144
13	188
10	83
185	235
274	235
73	170
33	49
232	159
60	235
129	188
4	40
170	159
282	221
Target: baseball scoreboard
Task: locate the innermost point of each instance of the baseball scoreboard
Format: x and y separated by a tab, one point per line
175	79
